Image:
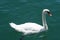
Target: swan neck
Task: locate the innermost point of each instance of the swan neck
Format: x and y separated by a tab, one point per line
44	21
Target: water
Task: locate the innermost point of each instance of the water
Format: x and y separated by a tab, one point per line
21	11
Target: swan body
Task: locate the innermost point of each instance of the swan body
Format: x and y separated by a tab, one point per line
30	28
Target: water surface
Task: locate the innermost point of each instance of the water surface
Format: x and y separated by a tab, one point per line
21	11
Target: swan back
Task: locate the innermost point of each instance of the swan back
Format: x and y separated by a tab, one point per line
27	28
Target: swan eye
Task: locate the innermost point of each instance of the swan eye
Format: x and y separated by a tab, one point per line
49	13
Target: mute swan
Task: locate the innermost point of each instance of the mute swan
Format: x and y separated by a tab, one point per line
30	28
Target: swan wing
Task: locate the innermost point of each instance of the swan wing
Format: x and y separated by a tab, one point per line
27	27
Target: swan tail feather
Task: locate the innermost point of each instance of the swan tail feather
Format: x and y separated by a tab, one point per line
13	25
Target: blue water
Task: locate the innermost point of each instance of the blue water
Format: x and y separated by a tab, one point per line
21	11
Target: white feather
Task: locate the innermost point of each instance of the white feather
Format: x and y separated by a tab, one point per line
29	27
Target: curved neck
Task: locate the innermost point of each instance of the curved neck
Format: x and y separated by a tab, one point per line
44	21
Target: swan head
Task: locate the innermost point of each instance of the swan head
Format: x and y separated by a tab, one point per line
47	11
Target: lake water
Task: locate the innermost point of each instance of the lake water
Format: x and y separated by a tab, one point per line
21	11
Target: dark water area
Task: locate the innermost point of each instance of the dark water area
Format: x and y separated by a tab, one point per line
21	11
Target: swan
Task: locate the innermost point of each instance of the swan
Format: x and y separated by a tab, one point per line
31	28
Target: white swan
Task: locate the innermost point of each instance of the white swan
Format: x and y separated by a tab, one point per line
30	28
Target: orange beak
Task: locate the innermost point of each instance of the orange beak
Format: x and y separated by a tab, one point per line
49	14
